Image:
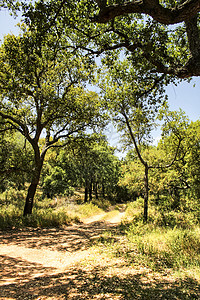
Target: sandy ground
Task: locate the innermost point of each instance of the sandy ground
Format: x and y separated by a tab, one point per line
61	263
55	248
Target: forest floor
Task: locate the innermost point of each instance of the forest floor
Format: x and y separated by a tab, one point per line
64	263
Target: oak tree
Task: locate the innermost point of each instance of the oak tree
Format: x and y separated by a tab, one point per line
42	94
133	97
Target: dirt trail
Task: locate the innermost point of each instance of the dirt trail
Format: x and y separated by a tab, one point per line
116	219
54	249
61	264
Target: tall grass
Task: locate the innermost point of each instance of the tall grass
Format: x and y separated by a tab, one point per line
46	212
167	242
160	248
12	217
86	210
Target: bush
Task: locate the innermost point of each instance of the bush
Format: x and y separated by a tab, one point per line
10	216
13	196
48	218
175	219
185	247
11	212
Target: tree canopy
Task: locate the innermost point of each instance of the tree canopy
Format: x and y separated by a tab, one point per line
185	17
42	93
165	35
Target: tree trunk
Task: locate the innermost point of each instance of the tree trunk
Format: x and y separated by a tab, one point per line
103	190
96	190
90	191
176	202
29	199
146	194
86	192
33	186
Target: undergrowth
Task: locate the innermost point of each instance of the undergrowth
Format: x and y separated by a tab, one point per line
46	212
172	244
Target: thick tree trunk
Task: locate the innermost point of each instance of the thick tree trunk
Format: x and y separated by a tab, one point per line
29	199
33	186
146	194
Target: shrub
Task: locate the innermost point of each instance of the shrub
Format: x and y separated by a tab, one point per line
48	218
185	247
13	196
10	216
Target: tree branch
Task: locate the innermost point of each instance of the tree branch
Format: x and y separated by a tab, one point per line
163	15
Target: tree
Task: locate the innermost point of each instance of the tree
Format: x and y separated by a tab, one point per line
167	162
182	178
133	96
192	158
141	29
42	94
93	163
13	5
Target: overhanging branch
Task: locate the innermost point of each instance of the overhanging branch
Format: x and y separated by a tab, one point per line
152	8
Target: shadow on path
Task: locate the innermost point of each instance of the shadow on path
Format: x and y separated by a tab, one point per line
18	270
92	283
69	238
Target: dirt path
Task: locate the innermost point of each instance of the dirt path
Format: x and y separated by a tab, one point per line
55	248
63	264
31	253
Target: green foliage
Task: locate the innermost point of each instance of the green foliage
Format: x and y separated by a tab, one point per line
161	216
16	158
133	177
173	168
12	197
42	86
160	247
102	203
175	249
42	92
185	246
56	183
134	210
13	5
86	160
46	213
48	218
144	37
10	217
11	204
131	96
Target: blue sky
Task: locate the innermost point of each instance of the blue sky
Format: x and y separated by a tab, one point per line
185	96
